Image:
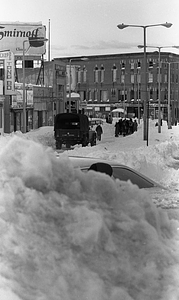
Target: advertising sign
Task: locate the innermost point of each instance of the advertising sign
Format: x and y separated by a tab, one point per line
17	99
12	36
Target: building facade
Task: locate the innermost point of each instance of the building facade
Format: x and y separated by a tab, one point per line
105	82
45	93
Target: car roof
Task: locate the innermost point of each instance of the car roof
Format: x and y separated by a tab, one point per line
85	163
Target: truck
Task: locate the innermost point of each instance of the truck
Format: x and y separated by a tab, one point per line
71	129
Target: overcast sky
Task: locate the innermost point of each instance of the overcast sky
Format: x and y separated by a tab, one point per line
89	27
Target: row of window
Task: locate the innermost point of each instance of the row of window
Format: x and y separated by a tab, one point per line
135	78
104	95
99	73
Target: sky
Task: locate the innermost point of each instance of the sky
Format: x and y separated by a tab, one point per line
89	27
70	235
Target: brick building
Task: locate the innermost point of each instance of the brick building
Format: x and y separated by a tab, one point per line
105	82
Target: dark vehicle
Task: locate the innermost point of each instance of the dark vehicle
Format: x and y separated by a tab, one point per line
71	129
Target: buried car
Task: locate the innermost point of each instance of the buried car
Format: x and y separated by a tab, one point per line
114	169
161	196
164	197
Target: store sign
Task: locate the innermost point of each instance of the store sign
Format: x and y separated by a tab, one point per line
12	36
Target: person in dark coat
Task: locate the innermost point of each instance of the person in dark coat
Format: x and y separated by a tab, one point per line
99	132
135	125
131	126
117	129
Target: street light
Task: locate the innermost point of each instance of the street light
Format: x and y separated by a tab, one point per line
145	117
159	82
34	42
70	60
169	98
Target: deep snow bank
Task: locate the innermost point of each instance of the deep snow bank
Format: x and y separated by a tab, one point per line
69	236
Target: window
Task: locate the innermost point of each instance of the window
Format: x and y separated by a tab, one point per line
151	93
104	95
125	174
83	95
132	65
89	95
132	78
84	74
150	64
95	95
123	78
165	78
19	64
37	63
96	75
102	74
172	78
138	64
123	65
79	76
138	78
158	76
132	94
114	74
166	94
150	78
29	64
113	92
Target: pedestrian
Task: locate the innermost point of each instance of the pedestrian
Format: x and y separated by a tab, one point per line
117	129
131	126
120	126
124	127
99	132
135	125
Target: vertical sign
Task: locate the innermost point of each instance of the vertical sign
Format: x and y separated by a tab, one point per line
9	74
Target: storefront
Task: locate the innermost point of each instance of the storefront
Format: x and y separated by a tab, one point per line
38	105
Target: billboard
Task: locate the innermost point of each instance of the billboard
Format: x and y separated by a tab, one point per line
17	98
12	36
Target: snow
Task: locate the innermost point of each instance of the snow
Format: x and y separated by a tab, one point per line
67	235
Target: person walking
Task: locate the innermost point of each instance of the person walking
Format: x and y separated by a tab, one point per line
99	132
135	125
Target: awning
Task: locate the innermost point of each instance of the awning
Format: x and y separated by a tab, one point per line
120	109
74	95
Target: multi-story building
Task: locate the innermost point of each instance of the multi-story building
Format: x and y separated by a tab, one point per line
105	82
46	87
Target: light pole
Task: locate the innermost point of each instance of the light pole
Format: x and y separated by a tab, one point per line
138	106
169	90
70	60
159	80
41	41
145	115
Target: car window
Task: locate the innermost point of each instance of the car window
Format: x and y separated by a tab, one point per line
125	174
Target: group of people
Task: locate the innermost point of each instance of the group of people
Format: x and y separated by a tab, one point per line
125	126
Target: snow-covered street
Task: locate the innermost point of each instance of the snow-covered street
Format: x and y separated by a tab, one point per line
68	235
